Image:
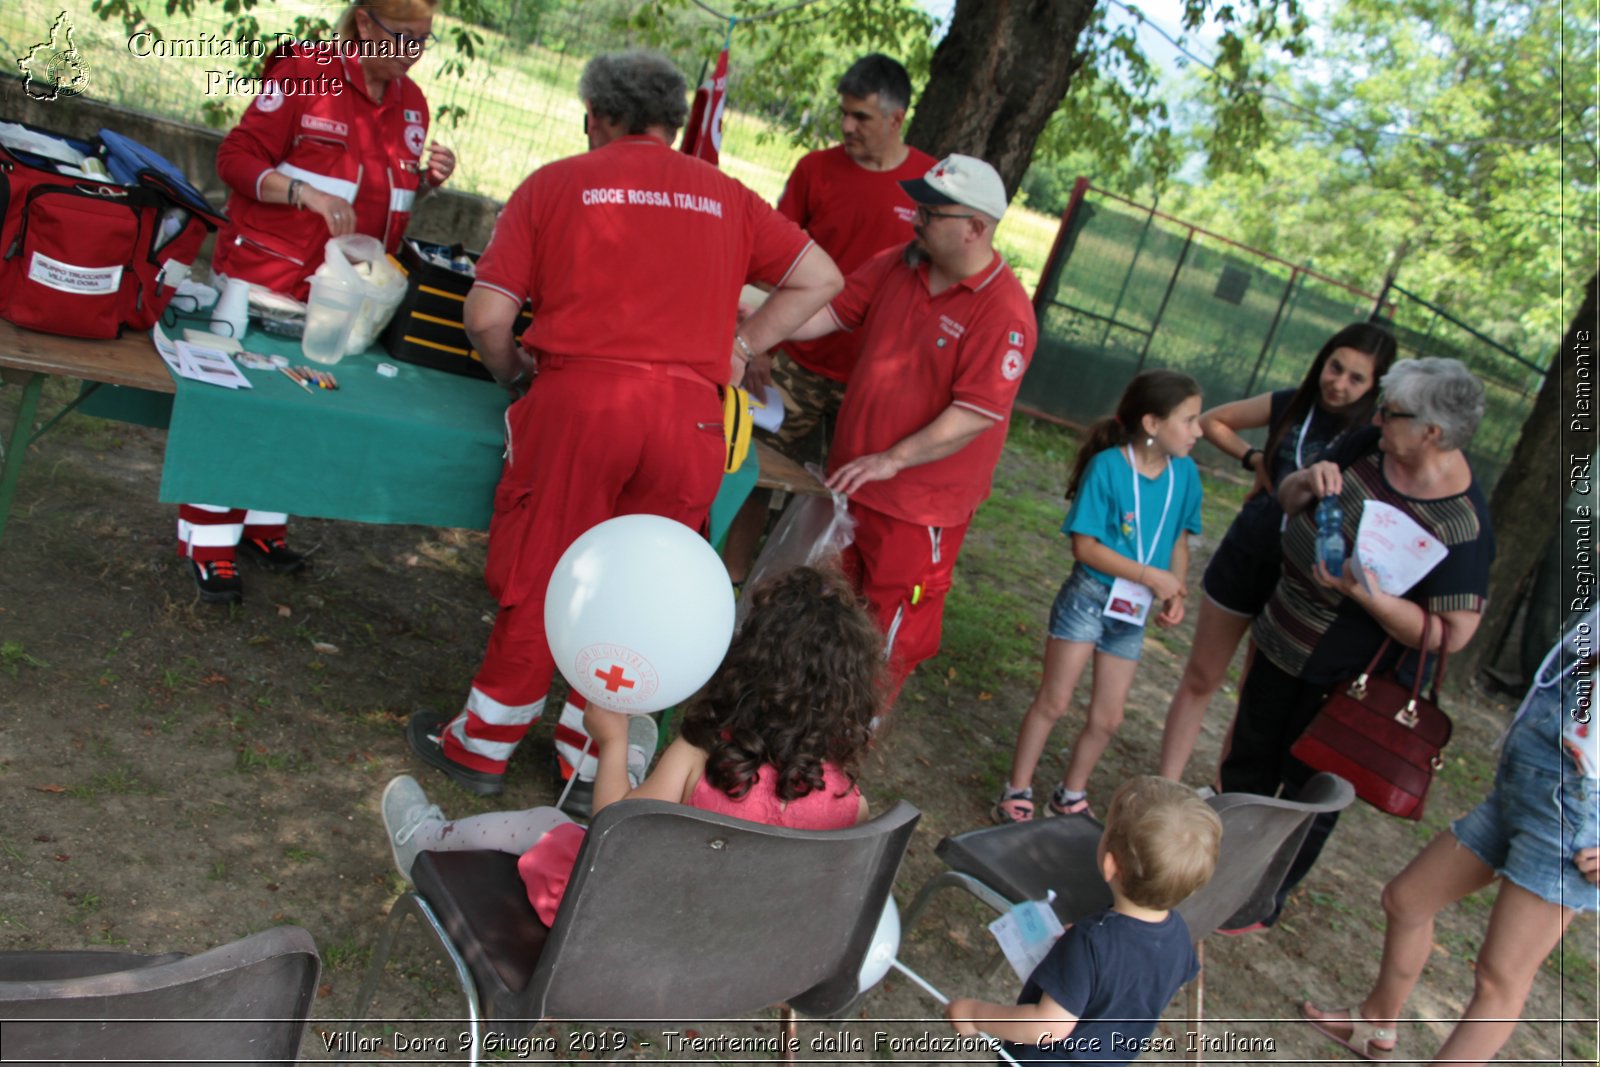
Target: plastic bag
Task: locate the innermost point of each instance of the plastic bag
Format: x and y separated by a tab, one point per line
811	529
357	261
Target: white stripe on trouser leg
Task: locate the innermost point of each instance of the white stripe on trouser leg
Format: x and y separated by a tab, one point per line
894	628
265	518
497	714
209	534
935	537
572	719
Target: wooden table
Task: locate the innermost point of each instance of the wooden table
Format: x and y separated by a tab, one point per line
27	358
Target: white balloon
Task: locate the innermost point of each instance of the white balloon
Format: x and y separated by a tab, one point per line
639	613
885	947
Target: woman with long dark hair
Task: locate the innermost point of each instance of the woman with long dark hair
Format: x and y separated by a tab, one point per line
1339	392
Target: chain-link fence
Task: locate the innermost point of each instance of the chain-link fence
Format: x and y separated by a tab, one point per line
1511	382
506	108
1127	287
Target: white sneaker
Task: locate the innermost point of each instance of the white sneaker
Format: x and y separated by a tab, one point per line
576	797
643	735
405	811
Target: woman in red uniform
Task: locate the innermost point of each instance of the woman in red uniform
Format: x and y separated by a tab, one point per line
333	145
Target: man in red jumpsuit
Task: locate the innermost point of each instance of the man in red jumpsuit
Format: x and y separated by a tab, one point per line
633	256
849	199
946	332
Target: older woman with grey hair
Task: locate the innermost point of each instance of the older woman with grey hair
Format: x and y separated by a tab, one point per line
1319	629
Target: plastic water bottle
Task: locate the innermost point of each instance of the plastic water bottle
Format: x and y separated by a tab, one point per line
1330	535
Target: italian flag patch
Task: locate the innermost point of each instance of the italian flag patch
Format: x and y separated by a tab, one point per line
1014	338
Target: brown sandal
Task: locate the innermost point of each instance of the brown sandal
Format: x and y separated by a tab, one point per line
1363	1037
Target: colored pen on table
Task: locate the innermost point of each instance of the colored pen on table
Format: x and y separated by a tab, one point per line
295	378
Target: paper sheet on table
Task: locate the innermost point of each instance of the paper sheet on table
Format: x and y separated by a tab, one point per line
208	365
1026	933
770	417
1396	552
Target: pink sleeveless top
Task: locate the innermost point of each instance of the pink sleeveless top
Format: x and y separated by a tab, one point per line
547	866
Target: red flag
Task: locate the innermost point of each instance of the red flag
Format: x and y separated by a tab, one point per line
702	136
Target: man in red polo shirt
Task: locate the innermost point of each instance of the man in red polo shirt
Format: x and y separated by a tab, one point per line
849	199
633	256
946	333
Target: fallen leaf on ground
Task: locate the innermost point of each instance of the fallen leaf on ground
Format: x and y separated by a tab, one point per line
285	610
50	788
325	648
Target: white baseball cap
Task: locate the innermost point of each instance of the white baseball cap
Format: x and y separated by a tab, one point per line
964	180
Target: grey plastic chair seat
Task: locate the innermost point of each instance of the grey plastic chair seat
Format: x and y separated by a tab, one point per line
1005	865
246	1002
671	913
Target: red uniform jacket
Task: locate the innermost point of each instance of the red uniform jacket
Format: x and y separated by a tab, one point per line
315	121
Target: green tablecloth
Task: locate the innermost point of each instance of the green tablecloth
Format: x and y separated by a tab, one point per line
423	447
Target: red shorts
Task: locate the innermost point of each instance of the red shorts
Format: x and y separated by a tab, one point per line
904	571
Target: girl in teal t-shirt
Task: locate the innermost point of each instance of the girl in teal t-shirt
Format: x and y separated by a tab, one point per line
1134	492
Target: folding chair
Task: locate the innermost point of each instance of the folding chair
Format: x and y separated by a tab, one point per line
243	1002
671	913
1005	865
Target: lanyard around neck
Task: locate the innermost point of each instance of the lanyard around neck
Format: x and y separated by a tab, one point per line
1300	443
1143	553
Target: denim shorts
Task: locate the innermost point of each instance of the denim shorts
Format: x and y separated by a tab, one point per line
1541	810
1076	616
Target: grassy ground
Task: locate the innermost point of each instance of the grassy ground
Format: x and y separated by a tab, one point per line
177	776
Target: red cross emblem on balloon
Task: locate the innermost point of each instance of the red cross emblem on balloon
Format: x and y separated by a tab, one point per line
614	679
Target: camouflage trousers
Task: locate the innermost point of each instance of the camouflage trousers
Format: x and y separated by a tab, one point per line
808	400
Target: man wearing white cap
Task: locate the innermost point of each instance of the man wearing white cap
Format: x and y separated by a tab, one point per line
946	333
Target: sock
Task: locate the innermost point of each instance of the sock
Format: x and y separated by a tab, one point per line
1065	796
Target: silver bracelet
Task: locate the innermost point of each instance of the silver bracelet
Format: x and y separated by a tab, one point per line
744	346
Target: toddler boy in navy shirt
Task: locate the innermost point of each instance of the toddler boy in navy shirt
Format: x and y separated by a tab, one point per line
1099	992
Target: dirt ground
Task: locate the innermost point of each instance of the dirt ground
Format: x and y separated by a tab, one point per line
177	776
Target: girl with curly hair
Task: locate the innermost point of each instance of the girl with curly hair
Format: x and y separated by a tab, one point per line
776	737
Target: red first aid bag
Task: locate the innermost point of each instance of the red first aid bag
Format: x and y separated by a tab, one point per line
89	229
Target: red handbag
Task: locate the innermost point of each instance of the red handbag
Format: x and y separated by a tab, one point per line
1382	736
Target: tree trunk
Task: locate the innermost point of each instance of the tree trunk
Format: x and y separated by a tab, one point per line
1529	496
996	79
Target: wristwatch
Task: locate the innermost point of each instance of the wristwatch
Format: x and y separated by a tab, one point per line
1248	458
